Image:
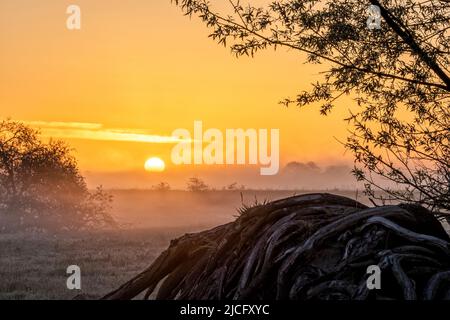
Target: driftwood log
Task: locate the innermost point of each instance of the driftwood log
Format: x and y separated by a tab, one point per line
315	246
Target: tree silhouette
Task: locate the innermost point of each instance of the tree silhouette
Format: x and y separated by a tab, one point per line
197	185
41	185
397	76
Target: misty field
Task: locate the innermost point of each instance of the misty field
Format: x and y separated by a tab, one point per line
33	265
168	209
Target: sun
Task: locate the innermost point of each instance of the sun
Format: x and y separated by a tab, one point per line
154	164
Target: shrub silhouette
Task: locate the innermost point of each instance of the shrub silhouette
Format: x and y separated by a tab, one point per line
41	186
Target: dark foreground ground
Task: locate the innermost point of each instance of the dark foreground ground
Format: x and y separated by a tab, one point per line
33	266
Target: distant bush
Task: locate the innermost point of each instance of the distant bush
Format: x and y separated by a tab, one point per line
41	186
197	185
234	187
162	186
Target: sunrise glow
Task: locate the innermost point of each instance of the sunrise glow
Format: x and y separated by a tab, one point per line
154	164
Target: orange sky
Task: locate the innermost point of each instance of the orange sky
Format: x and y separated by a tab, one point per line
141	67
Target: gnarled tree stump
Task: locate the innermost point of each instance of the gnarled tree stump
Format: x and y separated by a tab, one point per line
315	246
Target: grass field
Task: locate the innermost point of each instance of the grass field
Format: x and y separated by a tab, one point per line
34	266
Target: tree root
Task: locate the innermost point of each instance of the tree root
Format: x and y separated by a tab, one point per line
315	246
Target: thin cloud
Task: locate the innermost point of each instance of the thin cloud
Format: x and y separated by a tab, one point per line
96	131
57	124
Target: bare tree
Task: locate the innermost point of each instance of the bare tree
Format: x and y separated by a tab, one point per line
41	185
397	75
